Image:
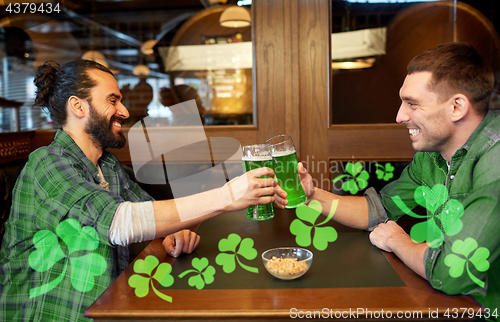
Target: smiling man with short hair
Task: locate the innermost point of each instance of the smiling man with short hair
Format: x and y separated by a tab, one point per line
445	99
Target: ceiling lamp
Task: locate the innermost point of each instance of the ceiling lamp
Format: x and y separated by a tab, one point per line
357	49
95	56
354	63
141	70
147	47
235	17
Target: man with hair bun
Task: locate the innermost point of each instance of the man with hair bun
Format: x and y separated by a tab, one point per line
445	106
75	189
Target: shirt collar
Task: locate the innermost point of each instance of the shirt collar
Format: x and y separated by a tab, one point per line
62	138
486	120
490	115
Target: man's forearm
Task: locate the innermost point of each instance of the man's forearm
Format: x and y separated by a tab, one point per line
351	211
410	252
241	192
178	214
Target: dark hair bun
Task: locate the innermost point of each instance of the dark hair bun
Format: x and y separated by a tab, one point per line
43	81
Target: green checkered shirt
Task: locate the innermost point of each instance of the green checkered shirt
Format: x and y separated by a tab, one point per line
59	182
474	180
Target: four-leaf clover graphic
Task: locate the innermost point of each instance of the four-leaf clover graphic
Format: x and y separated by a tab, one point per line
162	275
358	178
386	173
448	219
204	273
478	259
302	231
228	261
48	252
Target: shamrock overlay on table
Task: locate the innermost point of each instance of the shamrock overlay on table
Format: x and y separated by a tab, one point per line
357	178
48	252
245	249
162	275
302	231
478	259
204	273
384	173
448	220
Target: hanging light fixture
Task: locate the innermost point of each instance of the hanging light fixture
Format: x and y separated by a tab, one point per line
147	47
357	49
235	17
354	63
141	70
96	56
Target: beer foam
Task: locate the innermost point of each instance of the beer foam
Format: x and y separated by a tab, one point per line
257	158
283	153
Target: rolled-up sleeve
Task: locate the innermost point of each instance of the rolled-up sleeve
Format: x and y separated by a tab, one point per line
376	211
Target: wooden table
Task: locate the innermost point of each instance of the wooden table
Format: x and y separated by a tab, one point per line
234	298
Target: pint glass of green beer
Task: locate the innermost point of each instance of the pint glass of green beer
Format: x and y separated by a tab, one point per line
258	156
286	169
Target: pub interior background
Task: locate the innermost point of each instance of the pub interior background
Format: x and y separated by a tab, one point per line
281	73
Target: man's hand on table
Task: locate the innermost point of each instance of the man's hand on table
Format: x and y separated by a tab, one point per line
184	241
392	238
380	235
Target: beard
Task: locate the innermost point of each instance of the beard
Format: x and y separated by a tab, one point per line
434	142
99	128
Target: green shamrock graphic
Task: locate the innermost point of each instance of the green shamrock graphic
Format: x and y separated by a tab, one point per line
302	231
76	239
204	273
162	275
228	261
431	199
358	178
478	259
432	229
386	173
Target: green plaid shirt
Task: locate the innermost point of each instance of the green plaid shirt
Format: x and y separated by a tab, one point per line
474	180
59	182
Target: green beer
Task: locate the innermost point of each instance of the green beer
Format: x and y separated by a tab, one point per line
287	172
259	212
286	169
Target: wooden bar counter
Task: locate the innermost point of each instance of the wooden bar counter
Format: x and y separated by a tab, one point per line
349	279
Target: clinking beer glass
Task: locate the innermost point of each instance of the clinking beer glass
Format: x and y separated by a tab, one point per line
286	169
258	156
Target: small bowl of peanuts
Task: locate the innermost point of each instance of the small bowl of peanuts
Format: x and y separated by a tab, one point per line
287	263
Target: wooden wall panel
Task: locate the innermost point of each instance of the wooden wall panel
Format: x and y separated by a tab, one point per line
269	67
389	142
42	138
292	72
314	68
